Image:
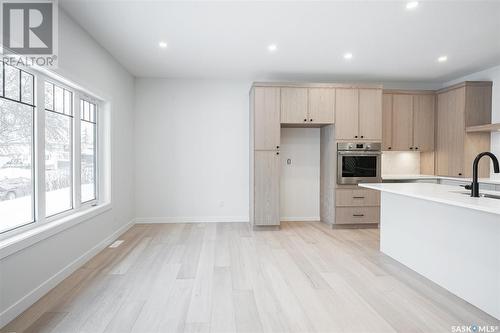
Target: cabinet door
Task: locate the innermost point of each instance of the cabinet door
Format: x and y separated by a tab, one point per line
387	122
321	105
266	118
346	114
266	188
402	122
294	105
423	122
370	114
450	133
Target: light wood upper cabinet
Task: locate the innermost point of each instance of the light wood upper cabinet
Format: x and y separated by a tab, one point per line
294	104
370	114
266	204
423	122
266	112
387	122
321	105
346	114
402	122
410	117
463	105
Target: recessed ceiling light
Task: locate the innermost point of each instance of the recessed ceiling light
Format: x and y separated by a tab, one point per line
163	45
442	58
272	48
348	56
412	5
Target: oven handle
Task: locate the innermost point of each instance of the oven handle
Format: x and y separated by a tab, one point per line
361	153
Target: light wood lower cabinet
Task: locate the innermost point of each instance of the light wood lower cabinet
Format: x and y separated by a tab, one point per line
266	201
355	205
357	215
357	197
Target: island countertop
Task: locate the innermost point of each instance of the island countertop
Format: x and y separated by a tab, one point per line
446	194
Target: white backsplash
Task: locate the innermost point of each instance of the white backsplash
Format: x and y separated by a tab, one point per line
400	163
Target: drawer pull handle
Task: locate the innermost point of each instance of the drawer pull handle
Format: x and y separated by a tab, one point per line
358	215
358	197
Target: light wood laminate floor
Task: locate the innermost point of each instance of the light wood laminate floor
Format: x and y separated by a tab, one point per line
224	277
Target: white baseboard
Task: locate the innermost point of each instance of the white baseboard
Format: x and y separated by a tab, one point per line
300	219
195	219
29	299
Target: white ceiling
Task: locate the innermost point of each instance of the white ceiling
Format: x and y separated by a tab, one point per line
229	39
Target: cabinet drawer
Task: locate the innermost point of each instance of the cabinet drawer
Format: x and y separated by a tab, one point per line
355	215
357	197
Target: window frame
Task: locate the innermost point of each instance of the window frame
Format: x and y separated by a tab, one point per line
28	224
39	217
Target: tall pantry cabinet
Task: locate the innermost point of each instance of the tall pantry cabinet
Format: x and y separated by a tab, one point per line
264	156
458	107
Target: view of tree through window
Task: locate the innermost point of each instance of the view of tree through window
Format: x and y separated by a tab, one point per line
16	148
88	114
58	149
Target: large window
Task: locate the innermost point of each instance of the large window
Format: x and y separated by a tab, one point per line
58	149
88	132
16	148
48	149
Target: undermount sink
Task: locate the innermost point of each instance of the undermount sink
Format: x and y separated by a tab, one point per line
481	195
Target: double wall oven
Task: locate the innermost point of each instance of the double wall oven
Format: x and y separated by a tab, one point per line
358	162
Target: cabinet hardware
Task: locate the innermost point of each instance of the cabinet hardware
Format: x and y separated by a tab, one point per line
277	153
310	119
362	136
305	119
389	148
358	215
358	197
416	148
277	147
459	173
411	148
355	136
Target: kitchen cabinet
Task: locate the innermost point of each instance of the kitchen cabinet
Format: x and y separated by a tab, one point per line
370	114
307	105
358	114
321	105
355	205
423	122
294	104
266	210
266	122
409	121
387	122
402	130
460	106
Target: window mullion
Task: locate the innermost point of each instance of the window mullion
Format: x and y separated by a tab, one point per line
40	150
77	178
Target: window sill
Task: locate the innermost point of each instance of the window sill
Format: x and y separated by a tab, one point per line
25	239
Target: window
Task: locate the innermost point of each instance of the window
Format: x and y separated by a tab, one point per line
16	148
88	149
60	148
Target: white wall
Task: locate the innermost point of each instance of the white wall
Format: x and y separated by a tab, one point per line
29	273
299	181
491	74
192	150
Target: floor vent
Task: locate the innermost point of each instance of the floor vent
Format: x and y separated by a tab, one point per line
116	243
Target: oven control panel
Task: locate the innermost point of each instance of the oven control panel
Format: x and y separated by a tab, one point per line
359	146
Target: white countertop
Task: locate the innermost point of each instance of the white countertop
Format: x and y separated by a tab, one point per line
451	195
417	177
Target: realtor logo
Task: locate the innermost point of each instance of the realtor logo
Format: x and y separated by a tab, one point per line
29	32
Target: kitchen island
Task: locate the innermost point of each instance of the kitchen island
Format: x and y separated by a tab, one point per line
442	233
